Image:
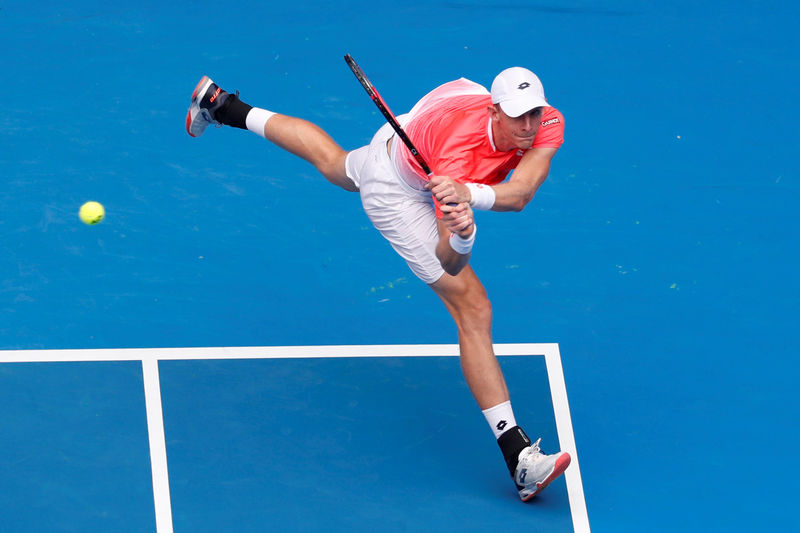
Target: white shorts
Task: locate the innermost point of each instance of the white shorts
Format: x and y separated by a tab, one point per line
404	216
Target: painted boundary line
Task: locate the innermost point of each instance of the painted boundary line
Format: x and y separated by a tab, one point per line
158	446
566	437
155	420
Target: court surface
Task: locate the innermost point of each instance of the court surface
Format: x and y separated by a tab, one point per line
660	257
273	441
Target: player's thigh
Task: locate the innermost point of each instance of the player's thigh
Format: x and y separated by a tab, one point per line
403	216
463	292
409	224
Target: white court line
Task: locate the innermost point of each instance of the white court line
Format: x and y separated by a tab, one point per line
155	422
158	446
260	352
566	438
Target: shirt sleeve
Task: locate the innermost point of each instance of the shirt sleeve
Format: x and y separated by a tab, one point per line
551	131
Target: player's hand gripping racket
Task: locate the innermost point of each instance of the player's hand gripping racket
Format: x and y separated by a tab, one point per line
390	118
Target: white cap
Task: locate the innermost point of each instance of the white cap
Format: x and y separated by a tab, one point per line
517	90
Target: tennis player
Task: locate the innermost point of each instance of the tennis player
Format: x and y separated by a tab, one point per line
471	138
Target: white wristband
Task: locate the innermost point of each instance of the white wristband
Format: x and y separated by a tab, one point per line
256	120
460	244
482	196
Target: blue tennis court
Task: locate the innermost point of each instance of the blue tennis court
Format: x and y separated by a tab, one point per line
659	258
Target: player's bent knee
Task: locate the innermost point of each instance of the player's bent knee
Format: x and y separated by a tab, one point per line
477	313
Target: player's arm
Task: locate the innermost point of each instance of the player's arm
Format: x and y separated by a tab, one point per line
512	195
456	236
532	170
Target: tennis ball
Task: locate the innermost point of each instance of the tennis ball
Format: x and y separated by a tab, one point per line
91	213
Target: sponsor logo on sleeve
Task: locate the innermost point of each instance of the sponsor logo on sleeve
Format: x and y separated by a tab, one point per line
551	121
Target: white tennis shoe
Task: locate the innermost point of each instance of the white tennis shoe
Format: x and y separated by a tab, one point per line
536	470
207	98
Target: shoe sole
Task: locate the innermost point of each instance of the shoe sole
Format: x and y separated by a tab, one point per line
561	464
199	89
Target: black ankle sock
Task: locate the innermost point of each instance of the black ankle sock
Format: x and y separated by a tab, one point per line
511	443
233	112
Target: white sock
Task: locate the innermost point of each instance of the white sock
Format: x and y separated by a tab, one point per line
500	418
256	119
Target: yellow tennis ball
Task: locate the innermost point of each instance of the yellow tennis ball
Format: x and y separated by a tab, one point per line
92	212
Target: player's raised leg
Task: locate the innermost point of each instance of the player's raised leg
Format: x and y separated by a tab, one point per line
212	105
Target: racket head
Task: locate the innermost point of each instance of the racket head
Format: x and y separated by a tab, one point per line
384	109
362	78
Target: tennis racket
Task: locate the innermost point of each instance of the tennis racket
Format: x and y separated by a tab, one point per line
390	118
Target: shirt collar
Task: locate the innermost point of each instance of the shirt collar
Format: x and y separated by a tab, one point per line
491	137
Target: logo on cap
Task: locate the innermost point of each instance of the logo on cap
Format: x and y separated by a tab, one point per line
523	85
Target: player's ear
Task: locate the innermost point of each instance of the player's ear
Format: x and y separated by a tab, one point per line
493	112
